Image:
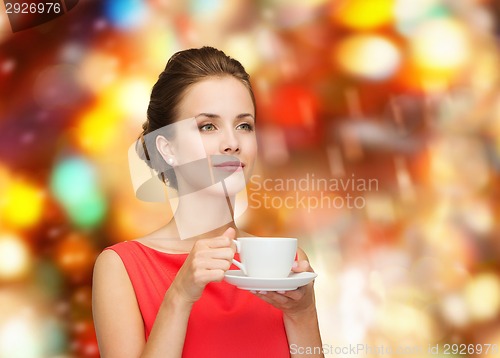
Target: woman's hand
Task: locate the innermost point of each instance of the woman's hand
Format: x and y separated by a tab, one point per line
299	311
207	262
296	302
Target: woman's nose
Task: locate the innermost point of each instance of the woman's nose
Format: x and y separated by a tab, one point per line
229	142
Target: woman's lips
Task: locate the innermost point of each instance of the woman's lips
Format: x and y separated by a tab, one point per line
230	166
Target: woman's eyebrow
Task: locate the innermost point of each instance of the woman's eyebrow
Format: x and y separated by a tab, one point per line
212	115
243	115
209	115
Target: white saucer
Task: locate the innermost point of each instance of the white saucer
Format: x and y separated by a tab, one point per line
292	282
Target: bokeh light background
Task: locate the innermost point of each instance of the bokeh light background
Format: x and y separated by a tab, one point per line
402	92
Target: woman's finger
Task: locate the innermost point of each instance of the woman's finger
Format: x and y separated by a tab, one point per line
225	253
225	240
302	266
216	242
295	294
210	263
272	297
219	264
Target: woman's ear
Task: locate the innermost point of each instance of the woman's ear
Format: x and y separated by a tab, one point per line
166	150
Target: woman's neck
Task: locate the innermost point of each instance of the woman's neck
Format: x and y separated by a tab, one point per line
204	214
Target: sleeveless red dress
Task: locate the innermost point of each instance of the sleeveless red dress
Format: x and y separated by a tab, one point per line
224	322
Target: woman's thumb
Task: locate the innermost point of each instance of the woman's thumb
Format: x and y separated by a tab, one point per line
230	233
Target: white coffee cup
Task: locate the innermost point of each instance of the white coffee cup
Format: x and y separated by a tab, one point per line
266	257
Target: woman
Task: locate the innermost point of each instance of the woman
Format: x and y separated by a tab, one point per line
163	295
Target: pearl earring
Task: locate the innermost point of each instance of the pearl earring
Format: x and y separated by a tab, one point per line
170	161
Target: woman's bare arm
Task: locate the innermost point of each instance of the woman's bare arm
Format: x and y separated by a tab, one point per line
299	314
118	320
115	309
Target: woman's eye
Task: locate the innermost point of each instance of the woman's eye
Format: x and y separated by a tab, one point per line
245	126
207	127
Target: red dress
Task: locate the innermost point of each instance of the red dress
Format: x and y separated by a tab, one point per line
224	322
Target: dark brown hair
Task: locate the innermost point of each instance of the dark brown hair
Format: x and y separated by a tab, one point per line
183	69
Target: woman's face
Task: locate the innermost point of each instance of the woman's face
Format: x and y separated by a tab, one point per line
222	141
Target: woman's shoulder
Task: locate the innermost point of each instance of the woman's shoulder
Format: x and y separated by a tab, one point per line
112	254
109	265
112	258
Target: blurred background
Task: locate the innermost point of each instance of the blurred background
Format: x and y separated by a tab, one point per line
394	103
